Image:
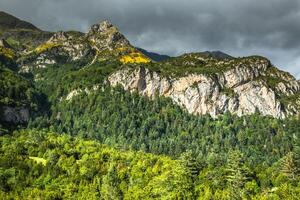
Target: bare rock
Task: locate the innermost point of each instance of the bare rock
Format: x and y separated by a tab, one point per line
204	94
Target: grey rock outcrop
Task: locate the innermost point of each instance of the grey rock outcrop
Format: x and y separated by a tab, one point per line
239	90
106	36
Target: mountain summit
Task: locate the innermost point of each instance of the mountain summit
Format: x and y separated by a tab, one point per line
106	35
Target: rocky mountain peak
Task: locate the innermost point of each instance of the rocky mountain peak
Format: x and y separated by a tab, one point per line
106	36
102	26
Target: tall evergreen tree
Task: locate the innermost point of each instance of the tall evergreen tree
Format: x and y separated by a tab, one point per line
236	173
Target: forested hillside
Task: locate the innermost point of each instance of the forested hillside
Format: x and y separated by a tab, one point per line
44	165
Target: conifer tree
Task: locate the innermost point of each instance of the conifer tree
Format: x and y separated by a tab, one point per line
236	173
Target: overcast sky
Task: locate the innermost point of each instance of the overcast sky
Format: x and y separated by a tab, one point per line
238	27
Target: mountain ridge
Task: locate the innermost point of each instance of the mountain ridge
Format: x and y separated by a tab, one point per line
210	82
154	56
11	22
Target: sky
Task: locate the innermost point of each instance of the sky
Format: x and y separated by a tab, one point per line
270	28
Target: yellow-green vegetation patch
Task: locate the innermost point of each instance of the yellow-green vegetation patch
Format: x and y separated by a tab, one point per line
13	43
135	57
39	160
9	53
45	47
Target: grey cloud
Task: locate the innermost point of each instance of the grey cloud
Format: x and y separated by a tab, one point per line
239	27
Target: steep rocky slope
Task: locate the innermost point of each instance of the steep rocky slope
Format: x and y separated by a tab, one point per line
242	86
102	42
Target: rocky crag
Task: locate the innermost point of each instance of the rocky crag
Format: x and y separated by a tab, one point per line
249	85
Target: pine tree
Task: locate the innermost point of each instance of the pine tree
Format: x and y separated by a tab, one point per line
190	163
290	166
236	173
296	152
110	186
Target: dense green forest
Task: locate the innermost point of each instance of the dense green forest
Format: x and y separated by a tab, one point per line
41	165
37	164
128	121
107	143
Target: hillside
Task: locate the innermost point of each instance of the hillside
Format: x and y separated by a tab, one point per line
8	21
19	100
93	170
19	34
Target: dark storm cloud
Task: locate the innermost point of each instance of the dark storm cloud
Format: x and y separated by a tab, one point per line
238	27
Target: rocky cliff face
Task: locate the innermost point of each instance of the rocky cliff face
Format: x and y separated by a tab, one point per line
241	90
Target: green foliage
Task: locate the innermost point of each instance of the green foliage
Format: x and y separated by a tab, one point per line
228	92
237	174
78	169
14	89
13	43
291	100
18	92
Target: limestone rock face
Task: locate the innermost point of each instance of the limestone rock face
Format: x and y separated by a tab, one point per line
102	27
253	96
73	46
15	115
106	36
238	90
242	74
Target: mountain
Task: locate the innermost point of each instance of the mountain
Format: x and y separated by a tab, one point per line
154	56
90	116
8	21
217	54
202	83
